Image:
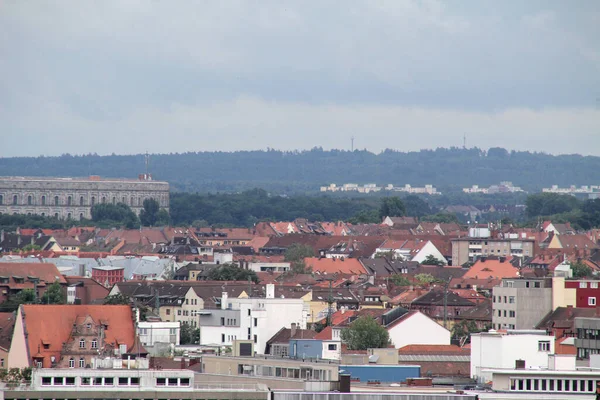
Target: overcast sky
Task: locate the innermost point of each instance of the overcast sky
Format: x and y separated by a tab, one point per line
174	76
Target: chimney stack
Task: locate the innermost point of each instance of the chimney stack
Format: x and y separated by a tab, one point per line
270	291
293	330
224	300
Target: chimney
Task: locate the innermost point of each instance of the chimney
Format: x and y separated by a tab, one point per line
224	300
270	291
293	330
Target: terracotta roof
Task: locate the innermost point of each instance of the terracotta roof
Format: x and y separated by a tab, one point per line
52	324
325	334
431	349
7	324
333	266
492	268
46	272
576	241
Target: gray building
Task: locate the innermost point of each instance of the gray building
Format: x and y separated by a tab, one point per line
469	249
588	337
74	197
520	303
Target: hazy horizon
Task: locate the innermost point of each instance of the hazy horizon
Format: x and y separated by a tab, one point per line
128	77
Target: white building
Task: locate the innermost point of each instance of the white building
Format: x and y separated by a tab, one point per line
269	267
414	327
256	319
158	332
494	350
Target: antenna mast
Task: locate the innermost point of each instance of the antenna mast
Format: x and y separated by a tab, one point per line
464	141
352	144
147	162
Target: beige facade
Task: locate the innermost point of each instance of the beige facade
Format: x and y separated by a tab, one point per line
74	197
470	249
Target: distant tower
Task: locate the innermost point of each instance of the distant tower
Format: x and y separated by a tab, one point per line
147	162
464	141
352	144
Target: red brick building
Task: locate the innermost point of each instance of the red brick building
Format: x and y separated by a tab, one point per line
108	276
587	292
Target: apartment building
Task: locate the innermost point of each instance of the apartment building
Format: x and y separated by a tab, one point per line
520	303
470	249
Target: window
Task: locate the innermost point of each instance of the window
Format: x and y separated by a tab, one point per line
103	200
168	311
29	200
114	200
255	339
69	200
81	363
123	381
173	382
46	381
536	285
591	301
94	344
248	312
82	344
255	321
71	363
70	381
59	381
509	284
332	347
43	200
93	200
97	381
134	381
15	200
511	299
81	201
582	285
161	381
109	381
512	314
1	199
184	381
222	338
55	200
499	313
505	313
2	363
544	345
594	285
494	298
172	331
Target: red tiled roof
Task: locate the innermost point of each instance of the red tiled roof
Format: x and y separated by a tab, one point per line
325	334
333	266
437	349
44	271
492	268
52	324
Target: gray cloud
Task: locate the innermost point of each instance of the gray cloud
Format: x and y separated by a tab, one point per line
126	76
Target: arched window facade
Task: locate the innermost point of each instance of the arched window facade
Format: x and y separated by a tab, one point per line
56	200
71	363
15	200
43	200
81	201
93	200
29	200
1	199
81	363
69	201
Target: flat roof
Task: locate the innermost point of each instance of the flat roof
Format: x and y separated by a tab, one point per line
550	372
74	179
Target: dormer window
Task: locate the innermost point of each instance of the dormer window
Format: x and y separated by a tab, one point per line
89	325
82	344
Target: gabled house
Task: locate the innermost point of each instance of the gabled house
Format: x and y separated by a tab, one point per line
69	336
15	277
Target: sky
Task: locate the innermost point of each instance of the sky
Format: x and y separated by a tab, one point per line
130	76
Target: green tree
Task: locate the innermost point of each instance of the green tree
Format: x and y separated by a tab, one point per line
365	333
432	260
54	294
188	334
399	280
25	296
295	255
365	217
545	204
441	217
199	223
31	247
416	206
119	213
149	214
580	270
464	329
230	272
425	278
163	218
391	207
117	299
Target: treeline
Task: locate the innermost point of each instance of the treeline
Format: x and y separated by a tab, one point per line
581	214
449	169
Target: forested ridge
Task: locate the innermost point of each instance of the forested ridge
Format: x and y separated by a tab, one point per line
304	171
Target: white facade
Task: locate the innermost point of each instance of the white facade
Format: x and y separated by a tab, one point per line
417	329
266	266
429	249
332	349
158	332
493	350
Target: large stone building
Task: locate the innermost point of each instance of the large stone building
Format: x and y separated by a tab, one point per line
74	197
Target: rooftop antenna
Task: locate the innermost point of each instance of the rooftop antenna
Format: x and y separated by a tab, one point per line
465	141
352	144
147	162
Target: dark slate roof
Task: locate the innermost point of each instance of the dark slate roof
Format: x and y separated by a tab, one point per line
384	267
285	334
436	298
442	273
564	317
481	312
